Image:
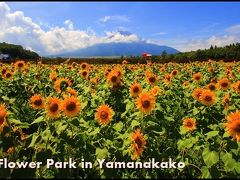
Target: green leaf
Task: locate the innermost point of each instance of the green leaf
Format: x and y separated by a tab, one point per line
35	138
19	123
96	131
101	153
210	157
118	126
229	162
134	123
169	118
212	134
205	172
195	111
38	120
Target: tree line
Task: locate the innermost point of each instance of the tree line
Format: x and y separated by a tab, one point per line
17	51
228	53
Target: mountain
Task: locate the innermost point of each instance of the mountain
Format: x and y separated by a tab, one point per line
119	49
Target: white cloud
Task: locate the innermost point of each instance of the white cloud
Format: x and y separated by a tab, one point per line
234	29
116	18
69	24
159	33
17	28
195	44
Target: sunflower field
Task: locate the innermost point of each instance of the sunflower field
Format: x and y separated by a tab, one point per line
188	112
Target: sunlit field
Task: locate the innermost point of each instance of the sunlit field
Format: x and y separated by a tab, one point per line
188	112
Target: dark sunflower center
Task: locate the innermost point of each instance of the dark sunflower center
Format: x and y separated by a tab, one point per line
71	106
113	78
146	103
238	87
224	84
84	66
38	102
54	107
104	115
199	94
189	124
197	77
8	75
4	71
174	73
208	98
119	73
20	65
84	73
135	89
237	128
212	87
152	79
138	142
226	100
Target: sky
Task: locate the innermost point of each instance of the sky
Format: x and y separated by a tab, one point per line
56	27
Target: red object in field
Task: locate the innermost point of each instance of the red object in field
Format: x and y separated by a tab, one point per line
146	55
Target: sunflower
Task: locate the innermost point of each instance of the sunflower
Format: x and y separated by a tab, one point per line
61	84
224	83
84	73
186	84
226	101
210	69
20	65
84	66
71	106
124	62
72	92
104	114
155	90
53	106
152	79
189	124
138	145
37	101
53	76
197	93
119	72
233	125
3	112
113	78
168	77
174	72
197	77
135	89
208	98
8	75
236	86
145	102
4	70
211	86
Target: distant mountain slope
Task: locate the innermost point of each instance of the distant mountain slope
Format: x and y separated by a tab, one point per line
119	49
17	51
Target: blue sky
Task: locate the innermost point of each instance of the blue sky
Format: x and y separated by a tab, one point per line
66	26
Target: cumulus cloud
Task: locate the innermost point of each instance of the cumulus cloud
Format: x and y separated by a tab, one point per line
69	24
116	18
195	44
19	29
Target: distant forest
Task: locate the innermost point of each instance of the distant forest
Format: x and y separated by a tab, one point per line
228	53
17	51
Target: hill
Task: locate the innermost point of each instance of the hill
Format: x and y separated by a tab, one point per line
17	51
119	49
